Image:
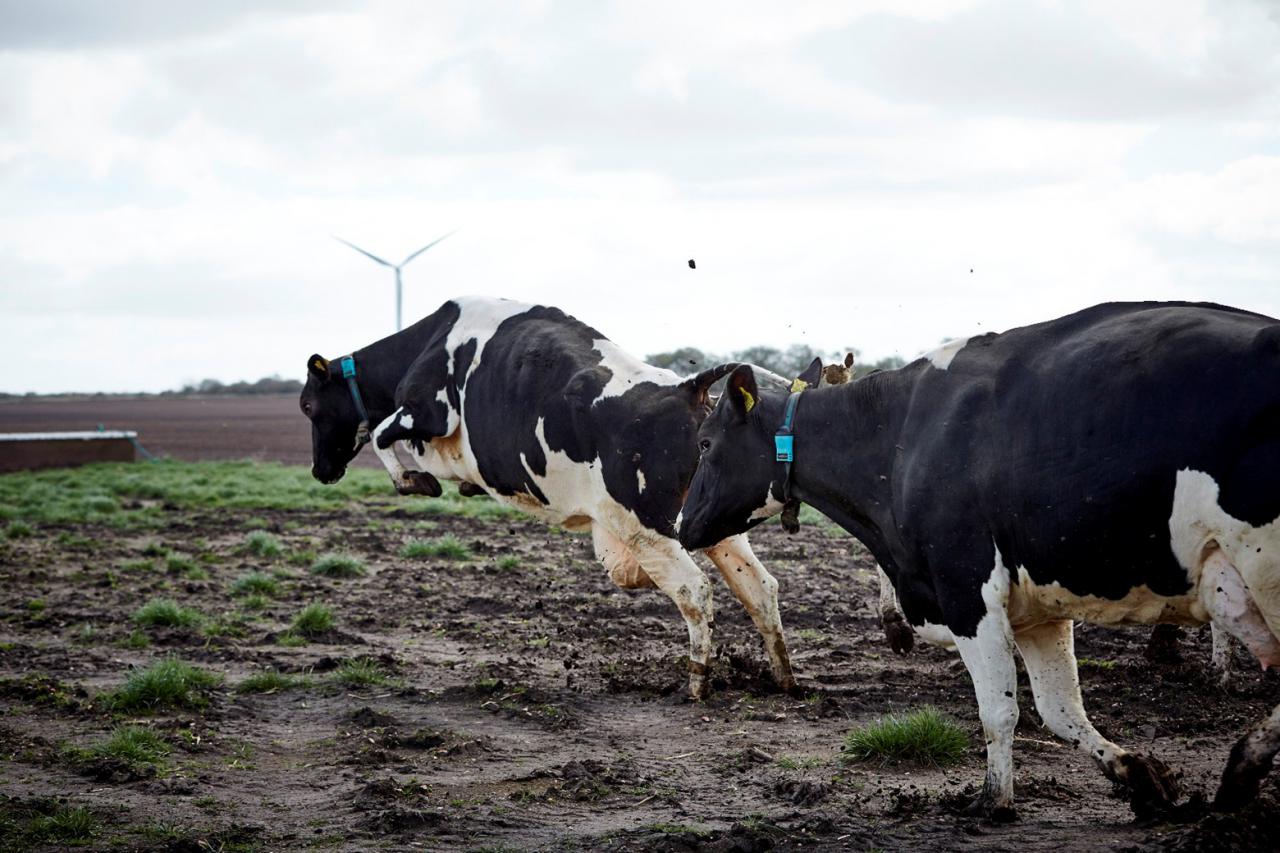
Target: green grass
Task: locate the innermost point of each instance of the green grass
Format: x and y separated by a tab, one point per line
167	683
256	583
162	612
925	737
136	640
19	530
93	493
1096	663
132	744
509	563
449	547
312	620
155	549
143	565
269	681
256	601
360	672
338	566
26	827
180	564
260	543
135	496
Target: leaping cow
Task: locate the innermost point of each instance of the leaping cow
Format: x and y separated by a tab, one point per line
547	415
1119	466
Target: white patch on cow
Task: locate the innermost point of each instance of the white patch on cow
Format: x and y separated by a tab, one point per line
770	507
640	481
1202	534
942	356
406	420
1048	651
1031	603
627	371
387	455
938	635
988	655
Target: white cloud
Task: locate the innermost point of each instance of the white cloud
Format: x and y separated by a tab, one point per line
169	183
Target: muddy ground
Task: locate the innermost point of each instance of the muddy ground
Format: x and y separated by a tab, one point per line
532	705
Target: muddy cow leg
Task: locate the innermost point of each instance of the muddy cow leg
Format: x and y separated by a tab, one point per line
988	655
896	630
1249	764
1048	650
674	572
614	555
399	427
758	591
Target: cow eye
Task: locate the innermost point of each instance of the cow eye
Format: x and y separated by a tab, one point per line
306	409
704	445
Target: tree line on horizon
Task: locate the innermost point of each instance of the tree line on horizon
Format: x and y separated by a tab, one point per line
789	362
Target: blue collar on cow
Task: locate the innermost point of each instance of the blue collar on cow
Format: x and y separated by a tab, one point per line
348	363
784	452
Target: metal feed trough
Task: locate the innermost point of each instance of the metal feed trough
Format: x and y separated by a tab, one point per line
25	451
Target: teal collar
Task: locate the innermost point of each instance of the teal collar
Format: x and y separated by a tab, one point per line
348	363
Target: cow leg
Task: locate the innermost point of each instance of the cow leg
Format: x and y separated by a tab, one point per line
399	427
1048	651
896	630
1223	654
674	572
614	555
1249	764
758	591
988	655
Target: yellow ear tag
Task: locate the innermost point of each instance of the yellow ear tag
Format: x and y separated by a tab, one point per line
798	385
320	364
747	399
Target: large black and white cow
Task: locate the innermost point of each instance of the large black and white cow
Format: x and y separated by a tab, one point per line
1119	466
545	414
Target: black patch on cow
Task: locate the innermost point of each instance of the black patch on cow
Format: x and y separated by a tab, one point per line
1058	443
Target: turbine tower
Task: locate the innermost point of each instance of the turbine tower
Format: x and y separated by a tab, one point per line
396	267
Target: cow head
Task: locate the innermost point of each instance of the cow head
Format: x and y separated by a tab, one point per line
738	483
326	401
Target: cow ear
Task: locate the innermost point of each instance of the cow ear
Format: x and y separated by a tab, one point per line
318	366
742	391
810	377
699	387
848	360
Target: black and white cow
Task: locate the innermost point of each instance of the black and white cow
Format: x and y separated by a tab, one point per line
1119	466
545	414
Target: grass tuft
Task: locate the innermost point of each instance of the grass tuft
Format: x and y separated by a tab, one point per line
260	543
256	583
166	613
360	672
925	737
270	681
312	620
19	530
448	547
338	566
167	683
134	745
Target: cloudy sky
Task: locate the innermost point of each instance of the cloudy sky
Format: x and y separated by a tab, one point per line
878	175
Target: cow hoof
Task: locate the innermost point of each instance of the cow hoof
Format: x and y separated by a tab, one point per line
469	490
1153	787
419	483
901	638
985	807
699	684
1241	780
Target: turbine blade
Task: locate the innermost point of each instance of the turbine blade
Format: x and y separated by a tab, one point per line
366	254
428	246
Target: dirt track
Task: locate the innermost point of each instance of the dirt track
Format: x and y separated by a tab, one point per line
267	427
534	705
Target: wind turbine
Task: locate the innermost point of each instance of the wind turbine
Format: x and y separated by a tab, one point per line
396	267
